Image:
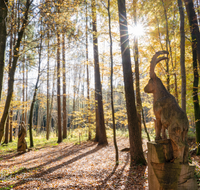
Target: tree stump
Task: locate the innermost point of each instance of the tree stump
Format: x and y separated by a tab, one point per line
22	145
166	175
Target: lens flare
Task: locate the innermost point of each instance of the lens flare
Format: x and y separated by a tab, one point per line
137	30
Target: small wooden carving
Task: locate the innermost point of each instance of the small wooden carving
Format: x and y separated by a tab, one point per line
22	145
168	114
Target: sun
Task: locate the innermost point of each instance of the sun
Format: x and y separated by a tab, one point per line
137	30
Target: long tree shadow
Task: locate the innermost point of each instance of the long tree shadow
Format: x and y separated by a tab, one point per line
136	177
50	152
52	169
11	155
70	152
119	173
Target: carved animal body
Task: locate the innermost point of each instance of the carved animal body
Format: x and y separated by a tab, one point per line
168	114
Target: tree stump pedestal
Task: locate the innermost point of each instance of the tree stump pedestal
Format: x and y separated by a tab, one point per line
166	175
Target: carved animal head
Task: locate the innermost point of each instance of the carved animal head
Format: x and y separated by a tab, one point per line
150	87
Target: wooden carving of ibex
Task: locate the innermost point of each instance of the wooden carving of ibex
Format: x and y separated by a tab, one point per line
168	113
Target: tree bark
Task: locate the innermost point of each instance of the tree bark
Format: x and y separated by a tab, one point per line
137	156
193	25
98	88
11	125
7	131
137	78
167	43
34	95
48	97
64	90
182	52
111	88
23	87
87	69
3	15
26	109
194	30
58	89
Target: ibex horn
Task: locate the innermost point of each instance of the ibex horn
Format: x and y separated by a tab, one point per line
155	60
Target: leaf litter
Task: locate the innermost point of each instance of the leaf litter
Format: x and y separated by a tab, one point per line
69	166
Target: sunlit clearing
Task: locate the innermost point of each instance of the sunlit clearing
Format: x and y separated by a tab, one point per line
137	30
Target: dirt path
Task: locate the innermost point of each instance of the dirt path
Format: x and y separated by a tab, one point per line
69	166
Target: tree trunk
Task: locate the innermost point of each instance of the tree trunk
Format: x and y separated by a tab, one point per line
87	69
38	128
48	97
11	125
194	30
64	90
7	131
137	73
35	92
167	43
23	87
137	156
193	25
182	56
98	88
58	88
12	70
26	107
111	88
138	97
3	15
51	106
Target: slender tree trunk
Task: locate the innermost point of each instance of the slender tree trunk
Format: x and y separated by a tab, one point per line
7	131
31	109
11	125
73	106
137	78
51	106
193	25
38	129
48	97
137	73
137	156
195	34
26	114
12	70
58	88
64	90
9	65
3	15
195	94
138	97
167	43
35	93
182	58
198	11
87	69
98	88
23	87
111	86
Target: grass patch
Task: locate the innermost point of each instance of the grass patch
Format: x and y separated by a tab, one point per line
75	136
4	188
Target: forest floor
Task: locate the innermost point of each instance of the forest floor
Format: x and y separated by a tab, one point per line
73	166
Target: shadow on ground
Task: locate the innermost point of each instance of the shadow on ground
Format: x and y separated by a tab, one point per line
52	169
